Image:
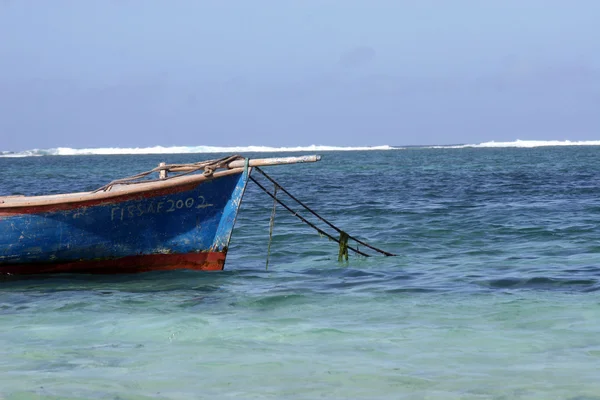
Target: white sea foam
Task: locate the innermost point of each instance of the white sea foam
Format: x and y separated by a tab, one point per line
66	151
523	144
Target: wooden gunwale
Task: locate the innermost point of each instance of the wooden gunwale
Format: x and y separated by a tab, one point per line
117	192
121	192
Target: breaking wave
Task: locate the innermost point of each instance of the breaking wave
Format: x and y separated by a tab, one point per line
522	143
66	151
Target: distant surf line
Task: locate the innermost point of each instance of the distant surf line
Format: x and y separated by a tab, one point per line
519	144
67	151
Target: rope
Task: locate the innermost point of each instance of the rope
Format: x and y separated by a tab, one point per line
209	167
321	218
271	225
322	232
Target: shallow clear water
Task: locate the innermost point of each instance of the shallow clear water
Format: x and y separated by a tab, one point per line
493	294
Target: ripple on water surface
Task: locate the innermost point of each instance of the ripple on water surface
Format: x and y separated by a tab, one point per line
492	294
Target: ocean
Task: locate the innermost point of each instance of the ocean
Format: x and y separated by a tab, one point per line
493	294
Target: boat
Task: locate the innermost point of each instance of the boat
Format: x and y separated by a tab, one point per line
182	219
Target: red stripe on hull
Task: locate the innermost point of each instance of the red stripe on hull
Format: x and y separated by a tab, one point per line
207	261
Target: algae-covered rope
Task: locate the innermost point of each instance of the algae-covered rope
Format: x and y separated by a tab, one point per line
209	166
322	232
343	253
321	218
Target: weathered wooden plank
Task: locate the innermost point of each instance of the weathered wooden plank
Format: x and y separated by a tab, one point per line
258	162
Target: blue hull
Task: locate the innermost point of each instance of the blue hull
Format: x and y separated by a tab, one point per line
187	226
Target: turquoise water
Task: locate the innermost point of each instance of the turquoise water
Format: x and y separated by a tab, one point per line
493	294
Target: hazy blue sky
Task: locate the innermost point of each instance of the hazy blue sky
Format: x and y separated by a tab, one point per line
100	73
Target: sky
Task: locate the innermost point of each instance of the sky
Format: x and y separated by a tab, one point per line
137	73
